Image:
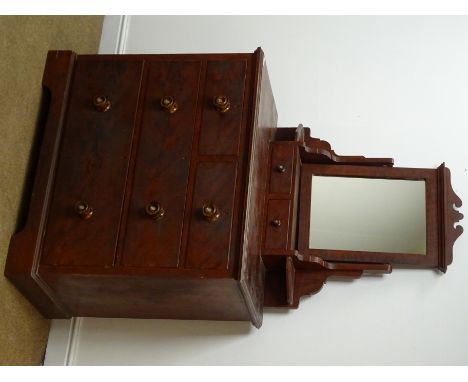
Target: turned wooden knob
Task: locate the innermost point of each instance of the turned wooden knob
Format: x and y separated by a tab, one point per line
168	104
221	103
83	209
154	210
280	168
101	103
210	212
276	223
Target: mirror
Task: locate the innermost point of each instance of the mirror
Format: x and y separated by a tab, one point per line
368	214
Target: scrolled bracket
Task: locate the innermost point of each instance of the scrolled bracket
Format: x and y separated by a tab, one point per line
448	217
305	275
314	150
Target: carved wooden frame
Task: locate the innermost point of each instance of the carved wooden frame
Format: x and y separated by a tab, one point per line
319	159
299	271
430	259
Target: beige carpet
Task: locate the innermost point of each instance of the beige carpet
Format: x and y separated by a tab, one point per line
24	42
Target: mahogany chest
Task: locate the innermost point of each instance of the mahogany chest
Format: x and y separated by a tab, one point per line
163	189
148	188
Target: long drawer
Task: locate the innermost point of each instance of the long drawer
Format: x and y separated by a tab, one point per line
85	211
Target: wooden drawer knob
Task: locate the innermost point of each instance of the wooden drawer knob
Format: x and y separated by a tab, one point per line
280	168
83	209
168	104
154	210
210	212
101	103
276	223
221	103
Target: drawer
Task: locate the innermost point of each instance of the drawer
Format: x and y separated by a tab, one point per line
93	163
162	166
209	242
282	168
220	130
277	225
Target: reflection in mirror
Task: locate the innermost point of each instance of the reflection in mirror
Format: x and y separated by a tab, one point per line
361	214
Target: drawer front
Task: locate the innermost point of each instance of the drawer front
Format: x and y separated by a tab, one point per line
220	131
162	166
277	227
93	162
281	168
209	242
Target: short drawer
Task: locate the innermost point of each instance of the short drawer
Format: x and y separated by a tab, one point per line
209	239
277	224
282	168
222	107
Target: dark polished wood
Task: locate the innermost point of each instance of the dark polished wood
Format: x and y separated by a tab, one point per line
164	190
220	130
264	116
147	188
25	245
282	168
314	150
277	227
93	162
306	275
209	242
298	270
429	260
140	296
447	217
162	165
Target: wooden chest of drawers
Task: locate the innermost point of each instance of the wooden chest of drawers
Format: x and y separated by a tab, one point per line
147	200
164	190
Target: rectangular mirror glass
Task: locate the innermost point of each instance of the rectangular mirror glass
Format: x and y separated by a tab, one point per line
368	214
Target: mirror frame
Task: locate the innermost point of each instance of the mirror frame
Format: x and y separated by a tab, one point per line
430	259
292	269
